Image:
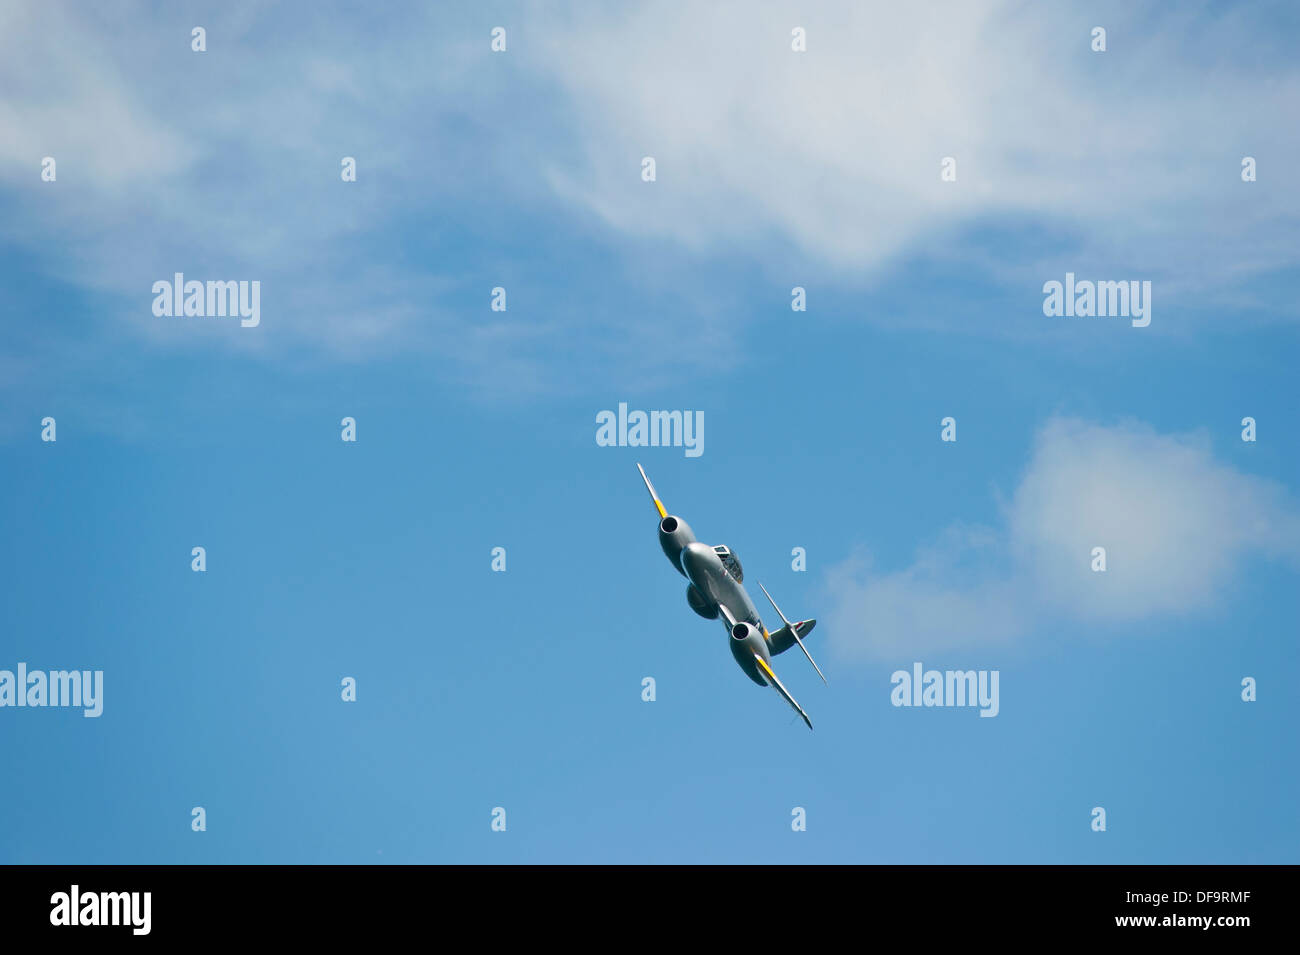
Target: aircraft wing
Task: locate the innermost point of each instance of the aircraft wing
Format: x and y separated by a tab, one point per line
654	495
780	688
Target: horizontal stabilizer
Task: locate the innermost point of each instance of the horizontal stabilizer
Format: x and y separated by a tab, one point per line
782	640
795	632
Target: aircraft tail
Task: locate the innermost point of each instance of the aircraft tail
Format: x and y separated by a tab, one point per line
783	639
795	632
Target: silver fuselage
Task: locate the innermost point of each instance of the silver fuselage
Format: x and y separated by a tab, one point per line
703	568
724	594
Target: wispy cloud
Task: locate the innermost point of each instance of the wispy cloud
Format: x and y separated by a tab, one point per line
225	164
1132	155
1177	526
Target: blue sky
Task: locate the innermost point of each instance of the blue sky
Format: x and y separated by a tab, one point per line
476	429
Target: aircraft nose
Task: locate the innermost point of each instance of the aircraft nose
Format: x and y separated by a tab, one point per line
695	559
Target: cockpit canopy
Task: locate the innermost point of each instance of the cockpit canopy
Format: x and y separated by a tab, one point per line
731	562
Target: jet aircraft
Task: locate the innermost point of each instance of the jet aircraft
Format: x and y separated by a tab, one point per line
716	591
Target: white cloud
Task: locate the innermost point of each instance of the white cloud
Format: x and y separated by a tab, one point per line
1175	523
225	163
1133	153
945	599
65	96
1177	526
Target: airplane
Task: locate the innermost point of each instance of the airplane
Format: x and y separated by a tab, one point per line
716	590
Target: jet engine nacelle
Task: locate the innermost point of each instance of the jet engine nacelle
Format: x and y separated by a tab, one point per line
701	604
745	642
674	535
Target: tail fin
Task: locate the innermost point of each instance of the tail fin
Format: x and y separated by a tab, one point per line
783	639
795	633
